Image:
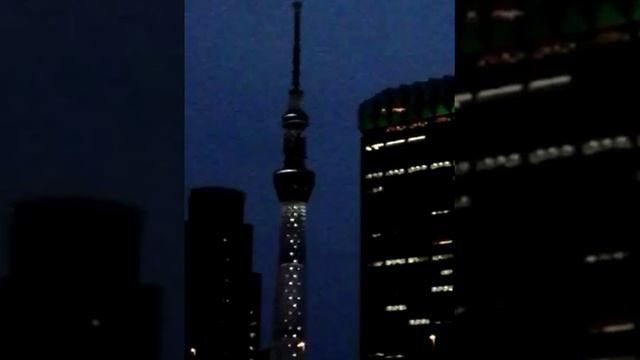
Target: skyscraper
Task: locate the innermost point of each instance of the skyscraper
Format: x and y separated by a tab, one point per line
293	184
547	179
407	252
222	293
73	288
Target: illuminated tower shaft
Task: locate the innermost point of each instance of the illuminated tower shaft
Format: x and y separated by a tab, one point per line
294	184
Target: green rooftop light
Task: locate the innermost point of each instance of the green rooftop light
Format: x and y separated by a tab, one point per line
608	15
442	110
635	14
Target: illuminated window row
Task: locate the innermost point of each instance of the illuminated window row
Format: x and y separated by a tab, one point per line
541	155
510	89
442	288
415	125
490	163
392	308
443	242
616	256
597	146
381	145
551	153
394	172
615	328
418	322
383	356
401	261
412	260
410	170
440	212
442	257
507	14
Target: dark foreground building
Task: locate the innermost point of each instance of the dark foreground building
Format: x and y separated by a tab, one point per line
73	288
547	180
222	293
407	252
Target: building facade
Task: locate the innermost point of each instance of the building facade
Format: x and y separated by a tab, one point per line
547	179
222	292
293	183
407	202
73	289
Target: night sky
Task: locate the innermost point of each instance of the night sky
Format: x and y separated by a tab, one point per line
92	105
237	77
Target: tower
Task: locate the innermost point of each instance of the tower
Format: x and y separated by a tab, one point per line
293	183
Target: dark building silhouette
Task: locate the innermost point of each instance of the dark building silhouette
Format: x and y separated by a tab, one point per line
222	293
294	184
547	180
407	252
73	288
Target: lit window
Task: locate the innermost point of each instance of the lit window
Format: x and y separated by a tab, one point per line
595	258
500	91
395	262
462	98
549	82
432	339
396	308
441	257
509	14
192	351
440	212
616	328
443	242
446	272
417	322
416	138
395	142
413	260
443	288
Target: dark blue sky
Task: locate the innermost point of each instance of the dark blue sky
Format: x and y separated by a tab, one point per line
237	76
91	105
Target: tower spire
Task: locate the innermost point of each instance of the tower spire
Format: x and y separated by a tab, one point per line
295	80
295	93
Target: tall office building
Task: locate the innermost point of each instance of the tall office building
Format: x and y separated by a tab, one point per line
293	184
547	180
222	293
73	289
407	251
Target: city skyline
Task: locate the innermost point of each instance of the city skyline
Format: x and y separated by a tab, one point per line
229	91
